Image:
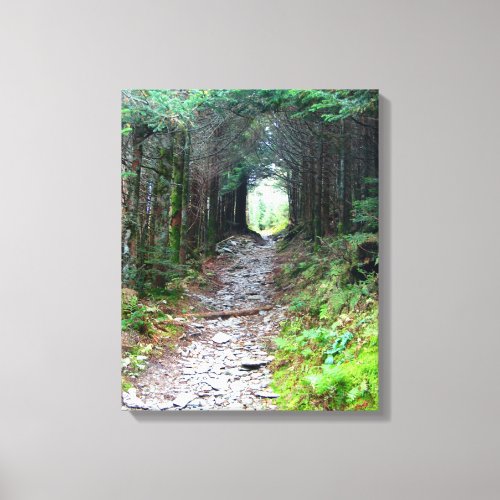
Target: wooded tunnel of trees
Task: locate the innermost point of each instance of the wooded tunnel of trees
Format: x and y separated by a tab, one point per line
190	158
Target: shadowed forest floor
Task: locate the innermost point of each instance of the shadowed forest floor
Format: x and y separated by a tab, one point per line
222	362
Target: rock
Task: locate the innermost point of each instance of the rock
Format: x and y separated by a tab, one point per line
235	407
224	249
131	400
256	297
253	364
196	325
221	338
216	369
204	368
237	386
183	400
266	394
218	385
165	406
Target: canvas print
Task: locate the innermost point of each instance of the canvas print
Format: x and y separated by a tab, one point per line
249	250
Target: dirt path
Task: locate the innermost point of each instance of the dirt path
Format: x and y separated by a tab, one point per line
224	364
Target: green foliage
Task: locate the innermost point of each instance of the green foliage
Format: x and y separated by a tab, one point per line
338	346
350	384
136	359
134	315
268	208
170	295
234	178
139	317
126	385
327	352
365	212
332	105
330	369
160	109
160	266
128	175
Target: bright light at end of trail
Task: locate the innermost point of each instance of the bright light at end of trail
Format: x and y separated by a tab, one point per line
268	207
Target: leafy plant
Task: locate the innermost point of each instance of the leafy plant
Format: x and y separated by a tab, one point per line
135	361
327	352
338	346
134	315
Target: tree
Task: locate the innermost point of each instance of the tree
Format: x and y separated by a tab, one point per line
190	158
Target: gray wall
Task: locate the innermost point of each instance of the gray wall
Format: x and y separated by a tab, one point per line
62	433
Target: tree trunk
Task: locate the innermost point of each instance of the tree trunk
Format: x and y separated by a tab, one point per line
240	217
176	199
185	201
212	215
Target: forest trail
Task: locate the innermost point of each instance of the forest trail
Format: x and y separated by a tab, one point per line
222	365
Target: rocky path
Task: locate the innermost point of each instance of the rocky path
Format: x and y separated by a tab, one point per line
223	366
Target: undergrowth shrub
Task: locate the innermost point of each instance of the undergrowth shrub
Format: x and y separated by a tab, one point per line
327	352
145	331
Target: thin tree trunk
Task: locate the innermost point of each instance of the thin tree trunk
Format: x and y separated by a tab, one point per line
185	201
176	198
241	206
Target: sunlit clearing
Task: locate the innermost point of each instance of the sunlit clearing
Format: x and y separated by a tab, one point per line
267	207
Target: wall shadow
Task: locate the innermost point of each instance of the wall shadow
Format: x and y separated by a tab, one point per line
384	414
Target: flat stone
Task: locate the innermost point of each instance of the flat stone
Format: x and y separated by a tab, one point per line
203	369
134	403
235	406
266	394
196	325
221	338
237	386
131	400
253	363
218	385
165	406
183	399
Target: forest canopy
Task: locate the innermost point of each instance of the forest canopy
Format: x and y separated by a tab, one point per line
190	157
259	204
